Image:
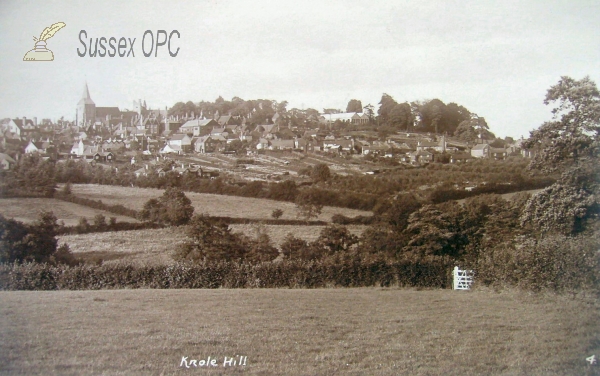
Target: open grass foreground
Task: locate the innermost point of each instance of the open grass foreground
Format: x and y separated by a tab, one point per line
366	331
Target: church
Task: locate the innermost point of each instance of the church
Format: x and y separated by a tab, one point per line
91	117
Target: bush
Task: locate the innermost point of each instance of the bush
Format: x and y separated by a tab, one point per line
21	243
209	240
556	263
172	208
277	213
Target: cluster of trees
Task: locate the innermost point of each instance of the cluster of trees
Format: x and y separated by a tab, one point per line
257	111
568	145
424	116
212	240
35	242
209	239
173	208
32	176
431	116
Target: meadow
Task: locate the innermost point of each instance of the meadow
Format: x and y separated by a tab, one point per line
27	210
366	331
212	204
155	246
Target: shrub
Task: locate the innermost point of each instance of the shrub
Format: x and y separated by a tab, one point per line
37	242
209	240
557	263
172	208
277	213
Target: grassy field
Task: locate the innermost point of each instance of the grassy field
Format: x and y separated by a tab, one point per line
297	332
217	205
156	246
27	210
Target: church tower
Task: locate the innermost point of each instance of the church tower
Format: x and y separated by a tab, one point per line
86	108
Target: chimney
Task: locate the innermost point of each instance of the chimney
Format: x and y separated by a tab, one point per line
24	120
35	121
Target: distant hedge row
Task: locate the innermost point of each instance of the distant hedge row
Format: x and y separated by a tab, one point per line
440	195
268	221
285	274
115	209
117	226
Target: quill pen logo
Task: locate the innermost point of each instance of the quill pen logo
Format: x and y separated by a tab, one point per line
40	52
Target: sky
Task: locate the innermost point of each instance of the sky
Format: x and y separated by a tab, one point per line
496	58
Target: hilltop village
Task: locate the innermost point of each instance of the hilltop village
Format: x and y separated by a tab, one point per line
210	138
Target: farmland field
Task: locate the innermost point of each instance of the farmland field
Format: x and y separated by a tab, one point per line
212	204
27	209
156	246
367	331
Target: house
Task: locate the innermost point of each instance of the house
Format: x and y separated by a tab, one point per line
346	117
282	145
22	127
6	162
180	142
377	148
263	143
194	127
460	158
486	151
170	150
266	129
303	145
227	120
420	157
34	147
339	145
498	153
425	145
219	131
481	151
209	144
92	152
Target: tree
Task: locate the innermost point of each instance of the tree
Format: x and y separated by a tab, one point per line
397	211
29	243
294	248
473	130
369	110
436	231
209	240
386	105
32	176
284	191
572	136
259	249
308	204
570	145
320	172
172	208
354	105
401	117
100	221
336	238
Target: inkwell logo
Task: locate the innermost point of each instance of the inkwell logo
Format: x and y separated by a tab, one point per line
40	52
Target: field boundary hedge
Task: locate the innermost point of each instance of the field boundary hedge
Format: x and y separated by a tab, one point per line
97	204
284	274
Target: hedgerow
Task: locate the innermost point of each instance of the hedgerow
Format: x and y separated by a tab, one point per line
284	274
